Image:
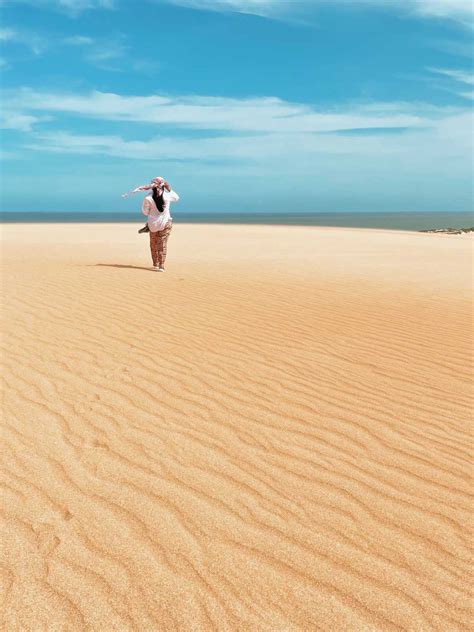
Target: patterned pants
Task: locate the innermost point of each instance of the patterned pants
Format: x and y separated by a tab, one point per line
158	242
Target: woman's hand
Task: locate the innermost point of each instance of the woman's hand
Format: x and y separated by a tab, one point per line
167	186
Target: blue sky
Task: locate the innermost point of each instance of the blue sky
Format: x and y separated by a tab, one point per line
244	105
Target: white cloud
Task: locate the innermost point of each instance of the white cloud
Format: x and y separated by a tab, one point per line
26	38
18	120
385	162
81	5
266	135
255	7
6	35
99	53
253	115
459	76
73	7
349	149
457	47
78	40
103	52
240	148
459	10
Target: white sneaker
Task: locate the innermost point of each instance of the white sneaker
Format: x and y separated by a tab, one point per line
161	270
155	268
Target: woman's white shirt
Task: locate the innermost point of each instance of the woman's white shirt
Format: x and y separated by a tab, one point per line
156	220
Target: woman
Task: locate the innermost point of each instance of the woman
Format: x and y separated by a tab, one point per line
159	224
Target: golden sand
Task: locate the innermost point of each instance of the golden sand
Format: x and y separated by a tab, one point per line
271	436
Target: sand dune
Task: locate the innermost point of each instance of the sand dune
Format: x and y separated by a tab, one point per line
272	436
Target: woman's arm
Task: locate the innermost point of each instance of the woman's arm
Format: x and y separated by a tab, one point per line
173	196
146	206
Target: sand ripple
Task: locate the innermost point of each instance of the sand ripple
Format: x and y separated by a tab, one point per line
273	436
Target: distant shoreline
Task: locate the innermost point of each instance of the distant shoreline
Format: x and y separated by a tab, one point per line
428	221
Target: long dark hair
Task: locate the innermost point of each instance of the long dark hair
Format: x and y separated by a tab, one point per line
158	199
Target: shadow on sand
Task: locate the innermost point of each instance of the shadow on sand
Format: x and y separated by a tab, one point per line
119	265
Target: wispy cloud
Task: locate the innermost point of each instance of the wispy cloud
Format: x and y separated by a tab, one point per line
7	35
459	10
454	47
104	53
71	7
81	5
259	115
458	76
27	38
78	40
110	54
306	157
99	52
265	8
11	119
268	133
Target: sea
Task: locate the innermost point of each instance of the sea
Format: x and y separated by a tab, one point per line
389	221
